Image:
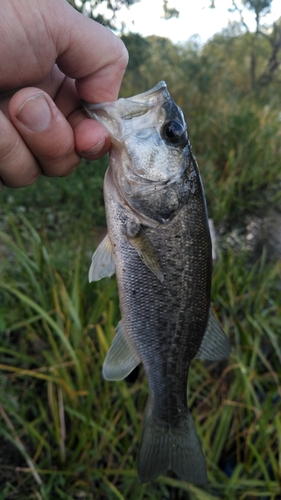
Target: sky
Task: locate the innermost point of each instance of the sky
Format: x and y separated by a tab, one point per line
196	18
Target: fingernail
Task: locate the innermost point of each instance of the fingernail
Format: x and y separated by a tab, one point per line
35	113
94	150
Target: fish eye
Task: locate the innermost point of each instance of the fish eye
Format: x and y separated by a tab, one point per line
175	133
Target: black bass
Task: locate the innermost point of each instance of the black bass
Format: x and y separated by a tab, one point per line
159	245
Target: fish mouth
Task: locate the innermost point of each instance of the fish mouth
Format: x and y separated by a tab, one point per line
125	116
128	108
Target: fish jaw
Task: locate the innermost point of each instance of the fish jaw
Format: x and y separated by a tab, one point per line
150	133
117	117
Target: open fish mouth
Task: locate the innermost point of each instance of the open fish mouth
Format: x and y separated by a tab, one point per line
131	107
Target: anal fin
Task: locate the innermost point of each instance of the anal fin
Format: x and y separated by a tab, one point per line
215	344
121	358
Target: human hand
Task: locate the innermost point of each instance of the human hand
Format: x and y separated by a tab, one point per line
51	57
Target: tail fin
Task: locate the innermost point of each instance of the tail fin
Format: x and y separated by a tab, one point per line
175	448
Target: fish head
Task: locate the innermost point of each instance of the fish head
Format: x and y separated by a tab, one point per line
149	142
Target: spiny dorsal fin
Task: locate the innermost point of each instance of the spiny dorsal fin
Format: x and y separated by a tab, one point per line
121	358
102	265
145	249
215	344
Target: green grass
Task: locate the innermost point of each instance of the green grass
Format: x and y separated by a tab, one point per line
70	434
67	206
240	160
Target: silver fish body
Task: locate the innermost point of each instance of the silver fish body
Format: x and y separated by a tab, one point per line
159	245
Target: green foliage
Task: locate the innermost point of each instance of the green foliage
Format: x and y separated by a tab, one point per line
58	204
241	166
258	6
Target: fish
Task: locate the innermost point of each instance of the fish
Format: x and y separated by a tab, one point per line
158	244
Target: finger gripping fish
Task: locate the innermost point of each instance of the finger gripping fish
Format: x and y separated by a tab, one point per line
159	245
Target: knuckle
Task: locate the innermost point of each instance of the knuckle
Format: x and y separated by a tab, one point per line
18	166
60	167
122	54
9	147
22	173
56	144
29	178
70	166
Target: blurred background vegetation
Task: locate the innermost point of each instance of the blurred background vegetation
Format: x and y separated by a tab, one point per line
65	433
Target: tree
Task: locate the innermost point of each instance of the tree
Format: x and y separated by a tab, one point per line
169	12
135	78
106	15
259	7
273	40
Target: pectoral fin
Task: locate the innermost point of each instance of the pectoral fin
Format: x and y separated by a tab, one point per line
121	358
215	344
145	250
102	261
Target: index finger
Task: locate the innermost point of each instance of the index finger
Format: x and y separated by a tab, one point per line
93	55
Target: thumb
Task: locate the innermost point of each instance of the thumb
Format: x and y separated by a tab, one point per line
40	136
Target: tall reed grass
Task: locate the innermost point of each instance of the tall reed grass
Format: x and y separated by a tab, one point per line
66	433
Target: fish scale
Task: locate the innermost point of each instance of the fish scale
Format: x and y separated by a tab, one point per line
159	245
